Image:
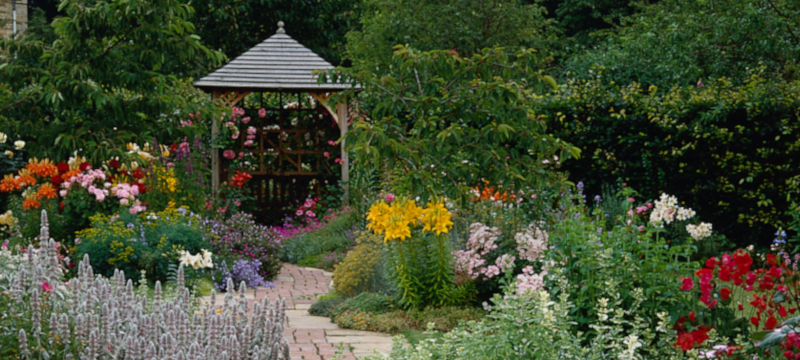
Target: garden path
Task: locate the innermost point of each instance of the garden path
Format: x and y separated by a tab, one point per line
316	337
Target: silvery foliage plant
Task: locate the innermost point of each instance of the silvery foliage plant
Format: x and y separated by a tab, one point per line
99	318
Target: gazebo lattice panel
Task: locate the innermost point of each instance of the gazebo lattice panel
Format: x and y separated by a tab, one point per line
288	161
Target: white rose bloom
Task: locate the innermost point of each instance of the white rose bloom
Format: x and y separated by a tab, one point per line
9	153
3	138
19	144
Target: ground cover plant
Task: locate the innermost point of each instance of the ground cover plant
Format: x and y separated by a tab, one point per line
92	316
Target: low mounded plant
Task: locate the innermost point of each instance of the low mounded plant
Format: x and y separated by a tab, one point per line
92	317
240	237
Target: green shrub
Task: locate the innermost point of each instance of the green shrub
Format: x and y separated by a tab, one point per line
325	307
140	242
336	235
360	269
367	302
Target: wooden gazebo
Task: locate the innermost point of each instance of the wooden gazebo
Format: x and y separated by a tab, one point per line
290	145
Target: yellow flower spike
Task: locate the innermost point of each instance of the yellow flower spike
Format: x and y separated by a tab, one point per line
411	212
377	216
397	228
437	219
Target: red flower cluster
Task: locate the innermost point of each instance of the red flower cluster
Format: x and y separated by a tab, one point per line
240	179
768	287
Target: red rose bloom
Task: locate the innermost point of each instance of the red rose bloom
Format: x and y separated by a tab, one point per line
771	323
725	293
687	284
62	167
754	320
711	263
138	173
56	180
114	164
85	166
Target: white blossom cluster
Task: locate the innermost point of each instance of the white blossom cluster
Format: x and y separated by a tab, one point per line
666	210
699	232
100	318
201	260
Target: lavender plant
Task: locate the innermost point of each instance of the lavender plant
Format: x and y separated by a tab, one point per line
242	271
92	317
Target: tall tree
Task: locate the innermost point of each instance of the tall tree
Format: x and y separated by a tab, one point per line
466	26
234	26
111	75
678	42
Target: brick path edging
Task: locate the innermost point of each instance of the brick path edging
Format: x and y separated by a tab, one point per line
316	337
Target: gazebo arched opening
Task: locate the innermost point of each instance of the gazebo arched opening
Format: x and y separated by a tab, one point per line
291	156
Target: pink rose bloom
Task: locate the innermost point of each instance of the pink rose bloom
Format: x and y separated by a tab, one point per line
251	130
310	213
123	202
241	154
338	160
66	184
46	286
251	137
134	190
326	154
631	200
641	228
299	213
235	136
63	193
170	164
246	120
228	154
4	246
107	185
248	143
331	142
389	197
262	113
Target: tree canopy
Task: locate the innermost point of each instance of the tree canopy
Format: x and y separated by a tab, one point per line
112	74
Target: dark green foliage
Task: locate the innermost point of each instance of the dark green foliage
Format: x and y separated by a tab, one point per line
325	307
234	26
466	26
678	42
579	18
727	151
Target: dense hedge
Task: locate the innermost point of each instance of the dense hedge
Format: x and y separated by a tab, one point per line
727	150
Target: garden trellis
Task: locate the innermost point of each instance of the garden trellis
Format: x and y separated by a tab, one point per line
289	148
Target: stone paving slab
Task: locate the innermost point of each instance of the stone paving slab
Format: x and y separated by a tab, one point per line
315	337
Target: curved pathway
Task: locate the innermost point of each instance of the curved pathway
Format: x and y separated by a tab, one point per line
316	337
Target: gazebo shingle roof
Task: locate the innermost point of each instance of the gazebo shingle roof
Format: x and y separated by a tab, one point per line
279	63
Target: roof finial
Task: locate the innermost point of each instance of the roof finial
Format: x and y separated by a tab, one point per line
280	28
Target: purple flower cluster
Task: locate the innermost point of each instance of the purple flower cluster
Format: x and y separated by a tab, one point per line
241	237
242	270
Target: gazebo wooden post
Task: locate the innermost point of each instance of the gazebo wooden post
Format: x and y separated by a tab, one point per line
215	165
341	110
